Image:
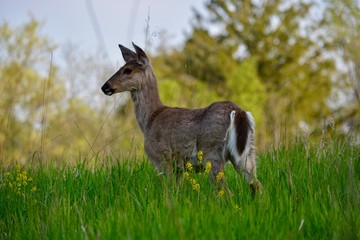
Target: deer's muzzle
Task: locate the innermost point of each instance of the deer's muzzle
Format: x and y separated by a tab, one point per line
106	88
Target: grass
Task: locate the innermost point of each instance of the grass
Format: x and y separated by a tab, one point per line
308	193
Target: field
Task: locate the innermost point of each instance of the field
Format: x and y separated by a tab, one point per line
309	192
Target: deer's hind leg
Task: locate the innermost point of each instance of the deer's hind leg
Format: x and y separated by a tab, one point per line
246	166
217	176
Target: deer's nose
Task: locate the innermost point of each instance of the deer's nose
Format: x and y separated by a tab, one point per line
107	89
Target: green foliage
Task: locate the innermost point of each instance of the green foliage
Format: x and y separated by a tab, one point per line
40	117
188	93
24	89
206	58
309	192
345	29
245	88
289	47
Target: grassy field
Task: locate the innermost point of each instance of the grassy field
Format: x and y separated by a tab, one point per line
308	193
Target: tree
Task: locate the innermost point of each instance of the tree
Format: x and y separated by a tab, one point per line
207	58
45	117
289	47
245	88
28	89
345	16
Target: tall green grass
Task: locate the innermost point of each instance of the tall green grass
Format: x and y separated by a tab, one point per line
308	193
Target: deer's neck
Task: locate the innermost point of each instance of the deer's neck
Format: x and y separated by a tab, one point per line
146	100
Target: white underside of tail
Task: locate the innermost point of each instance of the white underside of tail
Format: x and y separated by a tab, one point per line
232	138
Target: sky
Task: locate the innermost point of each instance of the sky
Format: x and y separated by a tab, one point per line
103	24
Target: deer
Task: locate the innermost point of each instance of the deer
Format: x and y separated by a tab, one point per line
173	136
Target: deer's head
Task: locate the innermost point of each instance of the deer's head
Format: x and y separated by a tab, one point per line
131	76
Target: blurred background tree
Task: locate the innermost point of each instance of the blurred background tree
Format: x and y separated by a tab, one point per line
293	64
28	79
291	77
345	30
52	111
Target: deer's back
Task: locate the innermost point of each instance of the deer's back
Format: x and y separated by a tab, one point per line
181	130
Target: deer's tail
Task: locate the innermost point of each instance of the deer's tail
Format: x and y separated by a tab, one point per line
240	136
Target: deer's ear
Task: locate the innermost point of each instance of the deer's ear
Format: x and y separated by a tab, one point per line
141	56
128	55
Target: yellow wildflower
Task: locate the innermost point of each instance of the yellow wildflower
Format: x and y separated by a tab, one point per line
34	188
219	176
18	181
186	175
221	193
196	187
189	166
17	167
193	181
237	208
208	167
200	156
194	184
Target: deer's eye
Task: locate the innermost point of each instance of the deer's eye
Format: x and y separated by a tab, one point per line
127	71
